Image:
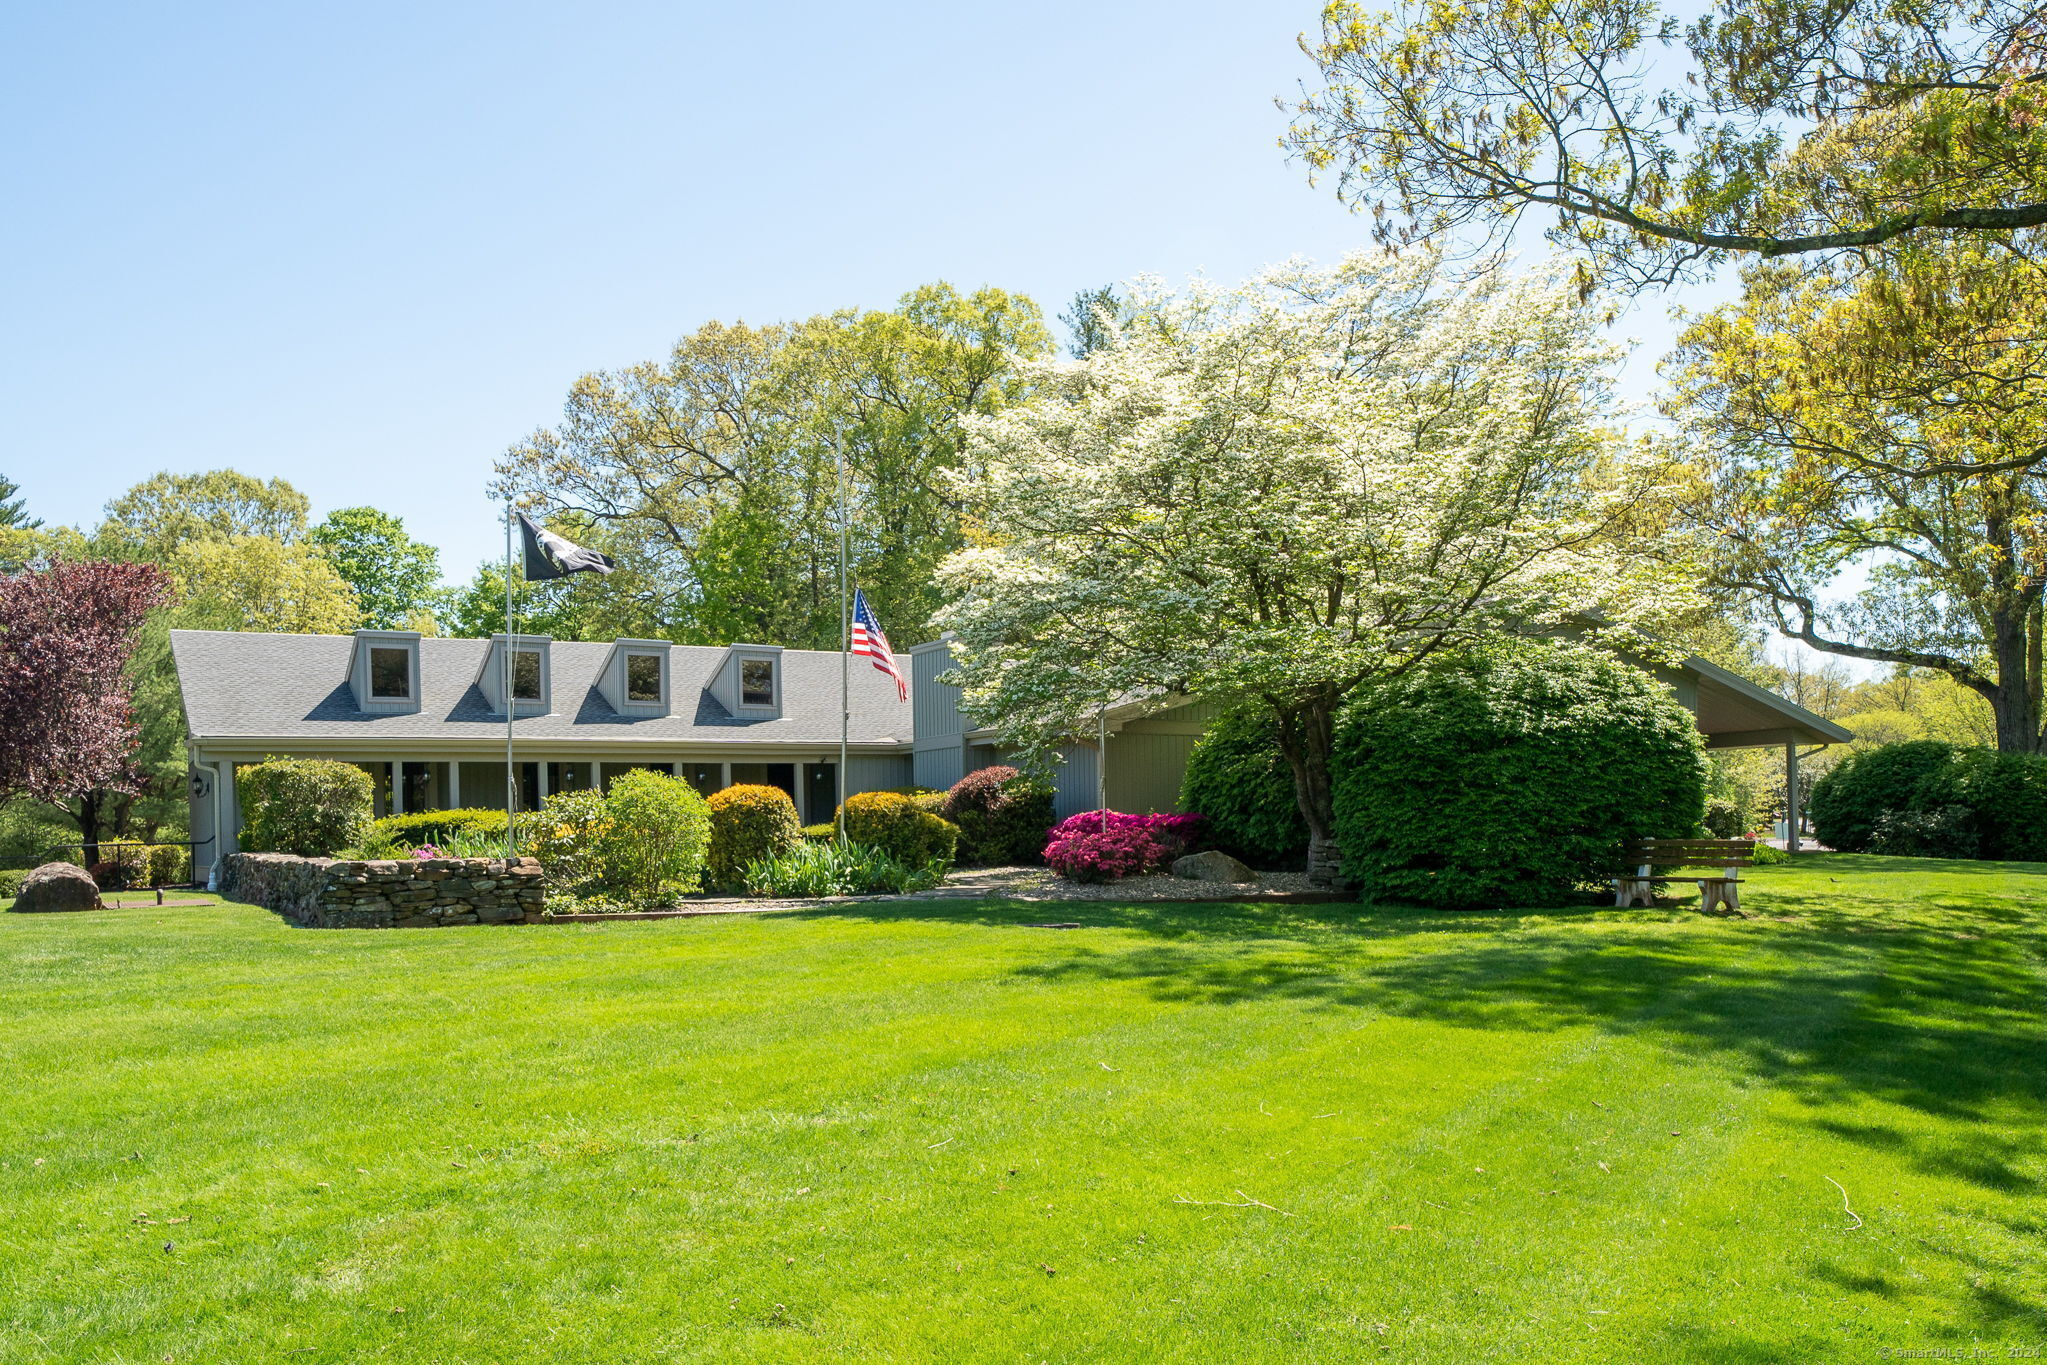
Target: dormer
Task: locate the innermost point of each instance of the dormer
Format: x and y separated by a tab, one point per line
749	682
383	671
532	674
638	678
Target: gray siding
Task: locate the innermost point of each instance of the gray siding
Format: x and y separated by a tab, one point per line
876	773
1145	770
938	768
1073	781
934	706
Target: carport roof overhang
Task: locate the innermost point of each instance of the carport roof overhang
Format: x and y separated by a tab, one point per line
1734	713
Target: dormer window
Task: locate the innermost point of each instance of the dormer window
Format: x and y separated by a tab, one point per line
516	670
383	672
526	675
391	673
757	682
643	678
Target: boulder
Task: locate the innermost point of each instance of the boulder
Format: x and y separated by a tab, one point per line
57	886
1212	866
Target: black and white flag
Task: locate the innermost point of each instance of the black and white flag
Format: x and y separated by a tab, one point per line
550	556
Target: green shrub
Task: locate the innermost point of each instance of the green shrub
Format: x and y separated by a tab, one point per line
2008	794
438	827
1724	819
307	806
749	823
821	834
168	864
2004	794
563	834
894	823
32	834
1943	832
1848	801
655	837
832	869
11	879
1002	816
1766	855
1508	776
1240	782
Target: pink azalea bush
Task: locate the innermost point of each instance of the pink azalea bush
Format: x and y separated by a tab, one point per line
1131	846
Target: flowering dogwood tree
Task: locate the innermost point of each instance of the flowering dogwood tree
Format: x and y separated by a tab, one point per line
1271	494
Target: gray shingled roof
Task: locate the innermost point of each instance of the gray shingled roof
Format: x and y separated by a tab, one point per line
296	686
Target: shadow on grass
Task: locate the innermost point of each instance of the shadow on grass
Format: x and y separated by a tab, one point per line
1833	994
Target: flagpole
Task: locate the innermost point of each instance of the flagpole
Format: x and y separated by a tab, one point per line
511	772
845	645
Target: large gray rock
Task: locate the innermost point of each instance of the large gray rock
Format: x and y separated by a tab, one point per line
1212	866
57	886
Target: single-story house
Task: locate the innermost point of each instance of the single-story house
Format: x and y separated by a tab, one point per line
426	718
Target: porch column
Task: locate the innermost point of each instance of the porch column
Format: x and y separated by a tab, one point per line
541	767
454	784
597	777
397	786
1791	812
227	816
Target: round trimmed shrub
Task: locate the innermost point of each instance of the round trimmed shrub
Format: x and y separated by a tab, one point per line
1240	781
898	826
1848	802
307	806
441	826
1002	815
748	823
1511	775
1912	799
655	837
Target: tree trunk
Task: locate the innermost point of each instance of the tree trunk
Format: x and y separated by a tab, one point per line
1307	737
88	817
2015	701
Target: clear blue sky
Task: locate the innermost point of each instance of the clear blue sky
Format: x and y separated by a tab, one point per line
365	247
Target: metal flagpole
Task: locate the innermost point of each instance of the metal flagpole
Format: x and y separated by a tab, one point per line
511	772
845	645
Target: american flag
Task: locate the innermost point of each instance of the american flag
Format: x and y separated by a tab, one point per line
871	640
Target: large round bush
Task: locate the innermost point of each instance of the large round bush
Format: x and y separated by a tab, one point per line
307	806
1848	803
749	823
1510	775
898	826
655	838
1240	781
1002	815
1930	798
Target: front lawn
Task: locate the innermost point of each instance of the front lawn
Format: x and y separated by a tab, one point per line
927	1132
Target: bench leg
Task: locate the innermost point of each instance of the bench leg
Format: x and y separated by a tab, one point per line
1628	890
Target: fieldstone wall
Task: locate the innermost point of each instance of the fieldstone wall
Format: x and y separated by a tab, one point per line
424	893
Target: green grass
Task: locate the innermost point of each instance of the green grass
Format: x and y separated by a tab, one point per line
926	1132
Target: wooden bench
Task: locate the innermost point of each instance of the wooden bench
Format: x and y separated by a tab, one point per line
1715	892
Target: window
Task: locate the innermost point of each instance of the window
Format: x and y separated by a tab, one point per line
757	682
643	677
391	673
526	675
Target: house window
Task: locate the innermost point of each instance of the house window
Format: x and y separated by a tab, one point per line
757	682
391	673
643	677
525	675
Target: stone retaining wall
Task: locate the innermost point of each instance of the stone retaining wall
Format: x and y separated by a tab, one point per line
425	893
